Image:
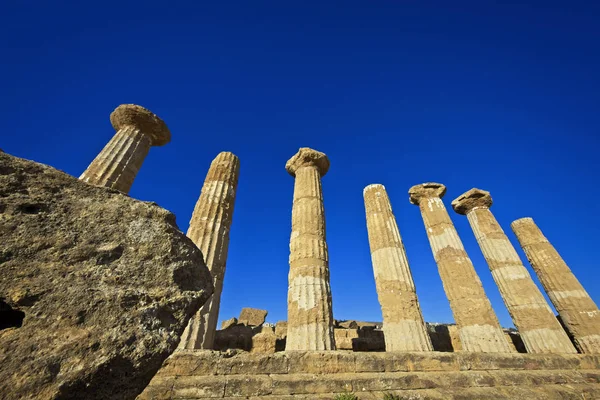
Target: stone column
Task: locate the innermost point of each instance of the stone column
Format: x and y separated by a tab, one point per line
310	317
576	308
119	162
403	325
540	330
478	326
209	230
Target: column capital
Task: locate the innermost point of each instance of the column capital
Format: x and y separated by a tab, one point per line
474	198
307	157
143	119
426	191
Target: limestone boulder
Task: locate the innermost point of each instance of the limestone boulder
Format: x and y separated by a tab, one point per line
252	316
95	287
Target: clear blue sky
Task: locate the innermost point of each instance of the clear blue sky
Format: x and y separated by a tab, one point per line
500	97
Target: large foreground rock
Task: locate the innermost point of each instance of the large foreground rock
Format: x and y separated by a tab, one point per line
105	283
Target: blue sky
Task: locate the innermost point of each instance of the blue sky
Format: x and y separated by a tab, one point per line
500	97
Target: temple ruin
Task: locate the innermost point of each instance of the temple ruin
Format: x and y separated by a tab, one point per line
311	355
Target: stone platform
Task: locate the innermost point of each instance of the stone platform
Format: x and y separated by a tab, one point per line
200	374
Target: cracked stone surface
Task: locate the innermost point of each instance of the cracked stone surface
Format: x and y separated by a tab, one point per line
106	285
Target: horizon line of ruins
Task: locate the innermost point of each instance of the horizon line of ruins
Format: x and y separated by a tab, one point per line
310	323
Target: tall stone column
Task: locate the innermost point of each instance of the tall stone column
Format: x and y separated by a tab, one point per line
310	317
576	308
209	230
119	162
540	330
403	325
478	326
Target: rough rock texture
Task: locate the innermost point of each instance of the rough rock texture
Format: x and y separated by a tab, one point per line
420	375
234	337
264	342
209	230
344	338
230	322
252	316
117	165
403	322
351	324
281	329
478	325
106	285
540	330
310	315
576	308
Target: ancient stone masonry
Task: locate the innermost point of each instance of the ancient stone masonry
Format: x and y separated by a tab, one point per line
119	162
209	230
479	329
577	310
540	330
310	318
403	323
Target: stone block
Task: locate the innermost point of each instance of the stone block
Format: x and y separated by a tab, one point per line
248	385
321	362
252	316
254	364
310	383
194	387
281	329
229	323
264	343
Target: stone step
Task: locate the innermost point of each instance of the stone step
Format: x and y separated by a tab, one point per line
542	392
224	386
206	362
315	375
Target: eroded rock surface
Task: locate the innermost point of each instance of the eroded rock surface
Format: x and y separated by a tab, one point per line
252	316
105	283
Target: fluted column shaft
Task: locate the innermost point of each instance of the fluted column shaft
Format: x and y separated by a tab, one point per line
209	230
576	308
540	330
478	326
310	317
403	325
117	165
119	162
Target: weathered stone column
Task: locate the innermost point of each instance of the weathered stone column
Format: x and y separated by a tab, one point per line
540	330
576	308
310	317
209	230
119	162
478	326
403	325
